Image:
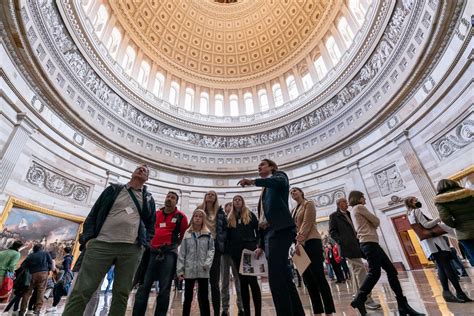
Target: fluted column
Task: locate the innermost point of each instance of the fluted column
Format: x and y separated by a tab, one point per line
270	96
284	89
311	69
299	82
422	180
13	148
184	201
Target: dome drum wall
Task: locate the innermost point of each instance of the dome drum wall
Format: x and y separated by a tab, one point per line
191	158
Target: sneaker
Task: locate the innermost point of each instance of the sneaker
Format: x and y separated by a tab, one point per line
52	309
372	305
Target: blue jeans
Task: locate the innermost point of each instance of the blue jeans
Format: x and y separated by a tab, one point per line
285	296
468	245
157	270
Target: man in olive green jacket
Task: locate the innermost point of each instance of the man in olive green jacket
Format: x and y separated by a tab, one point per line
456	209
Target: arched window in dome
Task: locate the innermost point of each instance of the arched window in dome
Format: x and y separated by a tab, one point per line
189	99
333	50
204	103
219	105
174	93
158	87
128	60
234	105
277	94
248	101
345	31
358	10
307	81
263	98
143	73
114	42
320	67
100	20
292	89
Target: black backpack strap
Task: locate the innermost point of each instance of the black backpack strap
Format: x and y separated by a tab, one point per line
177	229
135	201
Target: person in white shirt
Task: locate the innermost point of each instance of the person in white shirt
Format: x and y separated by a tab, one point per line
437	249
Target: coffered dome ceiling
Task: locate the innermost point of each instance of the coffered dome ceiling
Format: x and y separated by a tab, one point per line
225	43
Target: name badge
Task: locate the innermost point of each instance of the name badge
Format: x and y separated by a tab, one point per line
173	220
162	225
129	210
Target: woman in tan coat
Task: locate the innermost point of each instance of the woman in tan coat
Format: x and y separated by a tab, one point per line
309	238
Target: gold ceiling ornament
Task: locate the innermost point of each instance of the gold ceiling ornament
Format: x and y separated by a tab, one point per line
216	42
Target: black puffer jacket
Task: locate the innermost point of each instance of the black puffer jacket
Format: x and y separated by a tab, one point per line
221	230
100	210
243	236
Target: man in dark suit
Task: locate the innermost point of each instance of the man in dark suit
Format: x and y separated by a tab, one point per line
342	231
278	231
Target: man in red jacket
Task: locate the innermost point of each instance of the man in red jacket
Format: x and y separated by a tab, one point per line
160	265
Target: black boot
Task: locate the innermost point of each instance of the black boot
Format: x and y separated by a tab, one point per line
404	309
359	303
462	296
449	297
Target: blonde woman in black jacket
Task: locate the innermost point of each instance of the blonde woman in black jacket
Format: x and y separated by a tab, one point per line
243	234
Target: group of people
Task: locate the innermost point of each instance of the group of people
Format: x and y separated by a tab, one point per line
32	277
148	246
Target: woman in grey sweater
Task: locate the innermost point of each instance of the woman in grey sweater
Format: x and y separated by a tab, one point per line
194	262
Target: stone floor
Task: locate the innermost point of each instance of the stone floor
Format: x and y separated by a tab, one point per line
422	289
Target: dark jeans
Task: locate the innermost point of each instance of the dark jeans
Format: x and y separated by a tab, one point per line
468	245
445	270
247	281
15	302
57	294
214	279
378	260
163	272
456	263
285	296
203	296
315	279
337	270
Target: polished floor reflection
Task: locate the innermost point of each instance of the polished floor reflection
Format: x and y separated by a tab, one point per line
422	289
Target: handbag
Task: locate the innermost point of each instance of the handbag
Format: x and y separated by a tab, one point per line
425	233
7	285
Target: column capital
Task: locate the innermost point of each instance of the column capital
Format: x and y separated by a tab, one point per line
403	136
26	123
353	166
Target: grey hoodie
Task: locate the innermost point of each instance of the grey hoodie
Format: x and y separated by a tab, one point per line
195	255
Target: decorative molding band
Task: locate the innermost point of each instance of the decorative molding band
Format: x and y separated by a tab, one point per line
455	139
53	182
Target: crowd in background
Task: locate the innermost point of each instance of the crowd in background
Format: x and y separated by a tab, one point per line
130	242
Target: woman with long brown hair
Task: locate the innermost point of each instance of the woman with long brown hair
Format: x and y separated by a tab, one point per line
216	221
309	239
243	234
